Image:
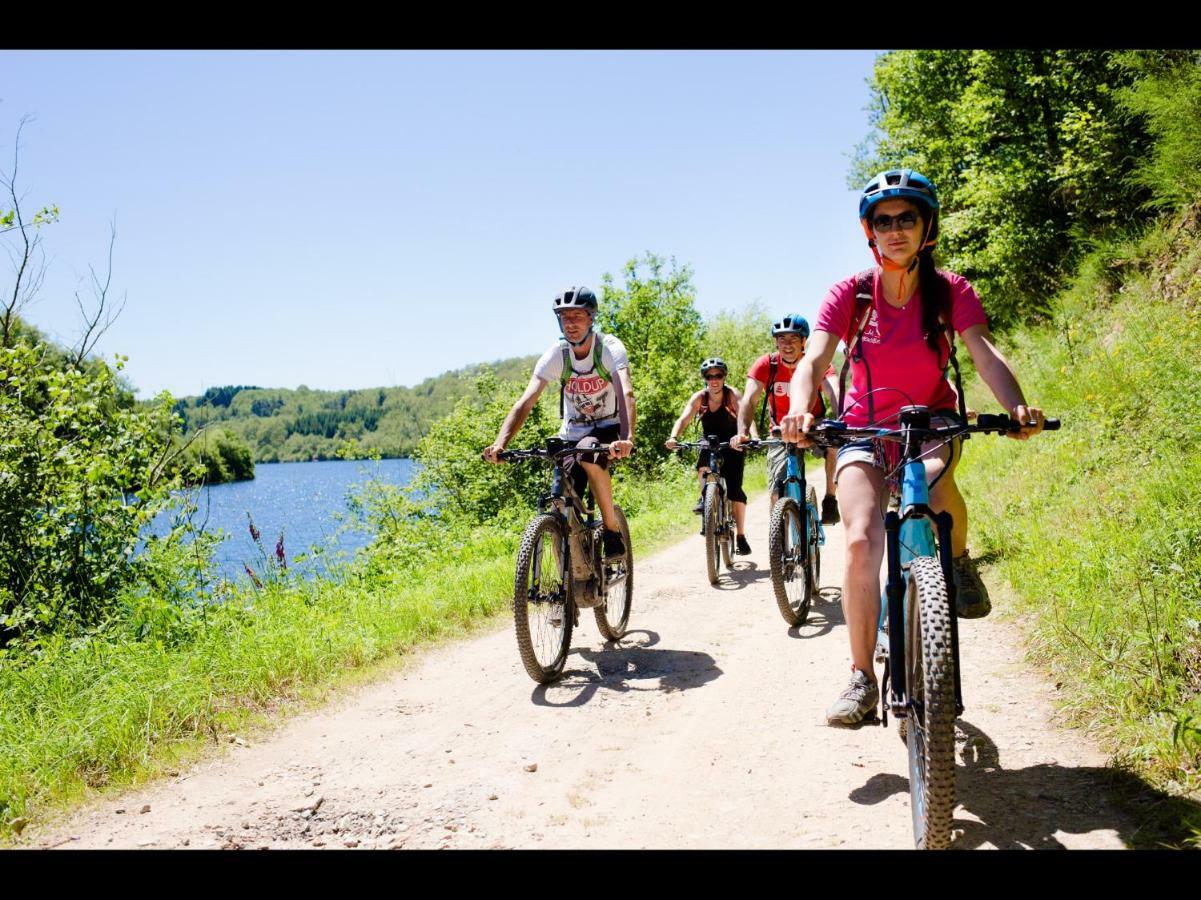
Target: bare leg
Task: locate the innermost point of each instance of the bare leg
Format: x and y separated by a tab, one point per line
860	486
602	490
945	497
739	517
831	459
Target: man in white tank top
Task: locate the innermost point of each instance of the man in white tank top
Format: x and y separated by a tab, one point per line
597	401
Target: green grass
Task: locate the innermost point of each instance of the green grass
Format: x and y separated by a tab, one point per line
108	712
1096	527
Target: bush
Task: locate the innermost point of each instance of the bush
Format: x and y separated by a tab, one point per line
81	473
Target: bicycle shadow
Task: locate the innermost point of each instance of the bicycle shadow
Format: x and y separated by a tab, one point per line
620	667
743	574
1026	808
821	620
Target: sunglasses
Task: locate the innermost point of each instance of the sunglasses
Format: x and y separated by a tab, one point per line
884	224
709	376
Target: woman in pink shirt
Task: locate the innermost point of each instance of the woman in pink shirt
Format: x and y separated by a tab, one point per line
900	351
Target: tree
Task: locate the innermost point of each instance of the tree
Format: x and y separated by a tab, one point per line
1029	149
654	314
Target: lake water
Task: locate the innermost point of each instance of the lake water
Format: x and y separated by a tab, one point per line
302	499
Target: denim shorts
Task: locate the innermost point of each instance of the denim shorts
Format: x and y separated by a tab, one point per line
872	452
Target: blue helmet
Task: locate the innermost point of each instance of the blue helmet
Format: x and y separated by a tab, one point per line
904	184
791	324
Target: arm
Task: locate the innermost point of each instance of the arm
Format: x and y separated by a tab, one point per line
746	411
804	383
625	390
516	418
996	372
677	429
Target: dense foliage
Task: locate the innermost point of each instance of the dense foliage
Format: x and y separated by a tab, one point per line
1031	151
654	313
82	470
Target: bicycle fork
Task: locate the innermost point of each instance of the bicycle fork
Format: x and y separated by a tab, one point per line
893	683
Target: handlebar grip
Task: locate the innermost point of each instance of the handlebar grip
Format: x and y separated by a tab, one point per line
1050	424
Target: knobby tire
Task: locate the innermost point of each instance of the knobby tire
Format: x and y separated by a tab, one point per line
613	615
930	732
789	576
712	520
542	596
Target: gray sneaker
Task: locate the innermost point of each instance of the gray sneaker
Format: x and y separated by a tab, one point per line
856	703
971	596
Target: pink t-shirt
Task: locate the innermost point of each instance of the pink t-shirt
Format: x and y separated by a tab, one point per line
895	351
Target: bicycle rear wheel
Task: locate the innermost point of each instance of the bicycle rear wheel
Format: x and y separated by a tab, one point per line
613	615
712	519
930	726
789	574
542	607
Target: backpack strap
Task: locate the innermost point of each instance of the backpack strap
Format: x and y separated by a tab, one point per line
773	363
598	366
853	337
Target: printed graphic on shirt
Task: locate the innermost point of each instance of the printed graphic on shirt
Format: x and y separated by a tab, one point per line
871	331
588	398
591	396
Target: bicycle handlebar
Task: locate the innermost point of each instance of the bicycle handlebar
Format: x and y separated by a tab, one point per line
833	433
552	455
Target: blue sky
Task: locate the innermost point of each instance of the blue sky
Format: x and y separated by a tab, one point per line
356	219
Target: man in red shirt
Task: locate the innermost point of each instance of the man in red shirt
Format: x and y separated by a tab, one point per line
771	373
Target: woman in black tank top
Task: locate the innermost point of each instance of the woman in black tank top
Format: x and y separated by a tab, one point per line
717	409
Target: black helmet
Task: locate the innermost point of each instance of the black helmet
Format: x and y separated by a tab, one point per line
714	362
791	324
576	298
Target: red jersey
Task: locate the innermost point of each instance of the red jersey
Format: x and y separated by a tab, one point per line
777	391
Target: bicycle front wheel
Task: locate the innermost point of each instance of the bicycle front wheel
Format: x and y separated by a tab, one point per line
613	615
930	671
542	608
789	573
712	519
815	550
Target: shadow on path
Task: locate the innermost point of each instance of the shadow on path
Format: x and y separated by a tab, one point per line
824	615
621	666
741	575
1026	808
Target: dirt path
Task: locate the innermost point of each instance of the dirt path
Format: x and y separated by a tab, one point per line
704	728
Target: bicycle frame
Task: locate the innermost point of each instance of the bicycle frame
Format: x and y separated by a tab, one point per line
796	487
907	535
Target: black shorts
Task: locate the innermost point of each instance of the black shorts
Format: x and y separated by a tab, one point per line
731	470
570	467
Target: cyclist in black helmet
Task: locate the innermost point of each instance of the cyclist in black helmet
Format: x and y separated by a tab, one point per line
716	406
596	400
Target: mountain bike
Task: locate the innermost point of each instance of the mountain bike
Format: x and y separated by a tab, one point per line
561	569
795	538
717	512
918	622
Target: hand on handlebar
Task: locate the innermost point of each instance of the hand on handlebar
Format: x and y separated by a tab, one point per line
671	443
1032	420
794	428
620	449
490	453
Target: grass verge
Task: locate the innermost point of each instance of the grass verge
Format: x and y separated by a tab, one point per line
107	712
1095	527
